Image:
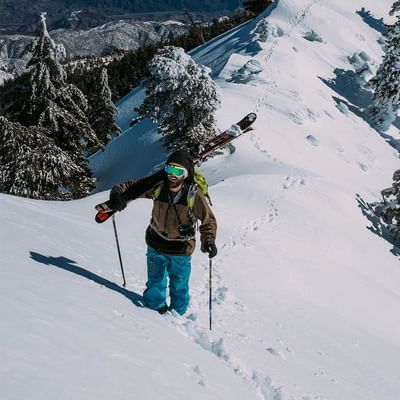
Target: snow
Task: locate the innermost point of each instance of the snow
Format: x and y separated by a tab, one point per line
234	130
305	287
172	22
74	16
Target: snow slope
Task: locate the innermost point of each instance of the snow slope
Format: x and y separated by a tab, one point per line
305	286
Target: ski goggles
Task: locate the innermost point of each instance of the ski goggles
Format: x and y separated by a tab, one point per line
179	172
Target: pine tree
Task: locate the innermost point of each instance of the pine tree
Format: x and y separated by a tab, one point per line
182	97
390	209
68	124
102	110
256	6
386	82
395	7
47	73
31	165
58	107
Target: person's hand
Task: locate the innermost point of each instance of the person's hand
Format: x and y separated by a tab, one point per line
210	248
116	201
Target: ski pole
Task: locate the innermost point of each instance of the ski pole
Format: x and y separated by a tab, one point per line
119	251
210	294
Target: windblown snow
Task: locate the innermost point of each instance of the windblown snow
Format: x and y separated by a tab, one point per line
306	284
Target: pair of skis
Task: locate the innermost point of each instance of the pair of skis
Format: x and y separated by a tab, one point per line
104	211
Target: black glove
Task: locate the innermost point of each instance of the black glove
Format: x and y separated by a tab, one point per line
210	248
116	202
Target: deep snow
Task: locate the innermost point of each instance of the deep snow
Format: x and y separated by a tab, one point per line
306	289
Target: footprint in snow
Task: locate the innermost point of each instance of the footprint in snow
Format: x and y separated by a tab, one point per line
312	115
329	114
292	182
255	140
265	387
319	373
119	314
339	148
256	382
199	375
289	350
312	140
368	153
296	117
276	353
220	295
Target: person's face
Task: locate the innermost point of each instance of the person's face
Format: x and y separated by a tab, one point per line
173	180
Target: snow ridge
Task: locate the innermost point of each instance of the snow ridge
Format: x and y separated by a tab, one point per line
296	20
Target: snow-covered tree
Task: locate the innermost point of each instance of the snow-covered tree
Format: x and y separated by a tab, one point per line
58	107
31	165
395	7
386	82
390	208
182	97
67	122
47	72
102	110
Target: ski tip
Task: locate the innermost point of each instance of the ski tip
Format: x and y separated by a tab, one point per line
252	116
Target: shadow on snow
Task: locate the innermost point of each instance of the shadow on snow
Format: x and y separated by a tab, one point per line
372	22
347	84
350	87
70	266
241	39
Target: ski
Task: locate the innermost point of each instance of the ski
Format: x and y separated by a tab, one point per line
225	137
104	211
148	182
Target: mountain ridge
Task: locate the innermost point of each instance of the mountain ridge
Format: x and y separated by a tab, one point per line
95	42
79	14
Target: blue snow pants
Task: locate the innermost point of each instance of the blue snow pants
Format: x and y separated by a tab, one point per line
160	267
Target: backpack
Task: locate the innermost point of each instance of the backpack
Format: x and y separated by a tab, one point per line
201	183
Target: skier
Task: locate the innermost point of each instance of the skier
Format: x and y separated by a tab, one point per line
170	237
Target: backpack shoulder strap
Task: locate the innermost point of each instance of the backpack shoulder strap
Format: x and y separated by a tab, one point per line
157	190
191	195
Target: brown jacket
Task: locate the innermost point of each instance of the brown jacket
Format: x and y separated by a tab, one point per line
172	225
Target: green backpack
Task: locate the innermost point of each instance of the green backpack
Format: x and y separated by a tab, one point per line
202	185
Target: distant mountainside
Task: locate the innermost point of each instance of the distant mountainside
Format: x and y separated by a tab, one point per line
99	41
22	16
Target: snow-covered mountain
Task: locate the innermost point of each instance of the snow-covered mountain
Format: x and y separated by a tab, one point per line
305	285
22	16
99	41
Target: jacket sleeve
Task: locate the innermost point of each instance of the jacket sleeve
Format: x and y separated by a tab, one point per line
208	223
141	188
